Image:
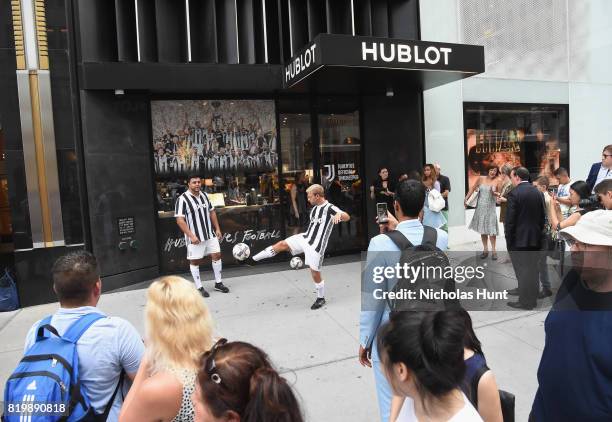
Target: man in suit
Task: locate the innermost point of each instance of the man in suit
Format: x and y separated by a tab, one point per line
601	171
524	224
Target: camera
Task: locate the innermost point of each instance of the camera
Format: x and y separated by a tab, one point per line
591	203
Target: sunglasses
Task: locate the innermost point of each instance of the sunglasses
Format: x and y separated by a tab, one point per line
210	366
571	242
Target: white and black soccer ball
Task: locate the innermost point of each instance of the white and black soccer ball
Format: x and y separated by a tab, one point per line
241	251
296	263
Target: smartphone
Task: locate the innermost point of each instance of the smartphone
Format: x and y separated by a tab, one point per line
553	190
381	212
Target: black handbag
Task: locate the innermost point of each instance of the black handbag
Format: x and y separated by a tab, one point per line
507	399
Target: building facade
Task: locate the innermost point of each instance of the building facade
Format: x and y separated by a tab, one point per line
546	74
109	106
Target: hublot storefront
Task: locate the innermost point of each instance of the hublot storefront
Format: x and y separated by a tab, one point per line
123	99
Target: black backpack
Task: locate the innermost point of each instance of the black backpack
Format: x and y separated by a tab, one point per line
426	255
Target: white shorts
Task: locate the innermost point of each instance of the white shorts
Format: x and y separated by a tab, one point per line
203	249
299	245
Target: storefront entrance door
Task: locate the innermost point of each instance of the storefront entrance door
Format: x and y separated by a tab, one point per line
340	164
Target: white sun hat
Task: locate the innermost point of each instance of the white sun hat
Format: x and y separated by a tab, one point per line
593	228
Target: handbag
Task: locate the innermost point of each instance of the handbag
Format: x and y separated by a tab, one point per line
472	201
551	244
507	399
435	201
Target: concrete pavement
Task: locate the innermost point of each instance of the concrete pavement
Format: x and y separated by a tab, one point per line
317	350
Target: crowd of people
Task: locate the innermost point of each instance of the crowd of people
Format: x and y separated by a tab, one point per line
431	359
179	372
428	365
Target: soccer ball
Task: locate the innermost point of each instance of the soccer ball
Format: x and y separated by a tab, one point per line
296	263
241	251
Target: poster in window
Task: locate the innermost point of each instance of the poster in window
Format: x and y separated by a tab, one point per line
496	135
212	137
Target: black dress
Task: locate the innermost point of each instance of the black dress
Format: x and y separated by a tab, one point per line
380	197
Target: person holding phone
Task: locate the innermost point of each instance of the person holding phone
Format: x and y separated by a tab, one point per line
383	189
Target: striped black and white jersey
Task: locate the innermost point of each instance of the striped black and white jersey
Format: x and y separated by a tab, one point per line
196	211
320	226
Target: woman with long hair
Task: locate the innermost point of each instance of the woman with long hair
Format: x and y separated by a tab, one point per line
578	191
236	382
178	330
480	390
484	220
485	395
383	189
431	218
423	358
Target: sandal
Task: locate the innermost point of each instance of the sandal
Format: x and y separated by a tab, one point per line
484	255
494	256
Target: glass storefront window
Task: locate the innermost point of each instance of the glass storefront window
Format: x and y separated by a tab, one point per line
535	136
297	168
232	146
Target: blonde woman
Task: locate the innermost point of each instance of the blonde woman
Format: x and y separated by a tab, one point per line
178	331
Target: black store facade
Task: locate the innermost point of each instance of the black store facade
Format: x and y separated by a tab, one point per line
256	96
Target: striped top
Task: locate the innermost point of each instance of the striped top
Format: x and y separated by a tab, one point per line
320	226
196	211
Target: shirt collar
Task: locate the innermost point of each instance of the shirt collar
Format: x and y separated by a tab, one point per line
79	311
409	223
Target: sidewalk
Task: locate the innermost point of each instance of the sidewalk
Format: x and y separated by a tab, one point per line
317	350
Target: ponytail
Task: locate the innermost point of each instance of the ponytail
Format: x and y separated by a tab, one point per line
271	399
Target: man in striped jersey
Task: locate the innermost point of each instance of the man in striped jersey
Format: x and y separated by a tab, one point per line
313	242
196	217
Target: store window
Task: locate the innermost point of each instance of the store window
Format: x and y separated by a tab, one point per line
297	169
535	136
232	145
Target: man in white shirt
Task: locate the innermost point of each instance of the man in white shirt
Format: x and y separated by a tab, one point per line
108	347
563	191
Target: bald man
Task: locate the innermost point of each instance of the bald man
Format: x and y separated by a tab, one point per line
313	242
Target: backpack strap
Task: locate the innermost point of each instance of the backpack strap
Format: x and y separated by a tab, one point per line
430	236
76	330
399	239
45	324
104	416
475	381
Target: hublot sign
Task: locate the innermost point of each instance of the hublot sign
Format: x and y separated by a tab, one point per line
332	50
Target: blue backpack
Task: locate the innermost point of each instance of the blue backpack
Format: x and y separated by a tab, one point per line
46	386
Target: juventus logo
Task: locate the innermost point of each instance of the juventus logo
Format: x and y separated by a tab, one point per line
331	171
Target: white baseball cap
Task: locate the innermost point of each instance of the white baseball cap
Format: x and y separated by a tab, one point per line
593	228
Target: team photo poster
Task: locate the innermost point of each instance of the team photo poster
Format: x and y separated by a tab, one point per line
212	137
